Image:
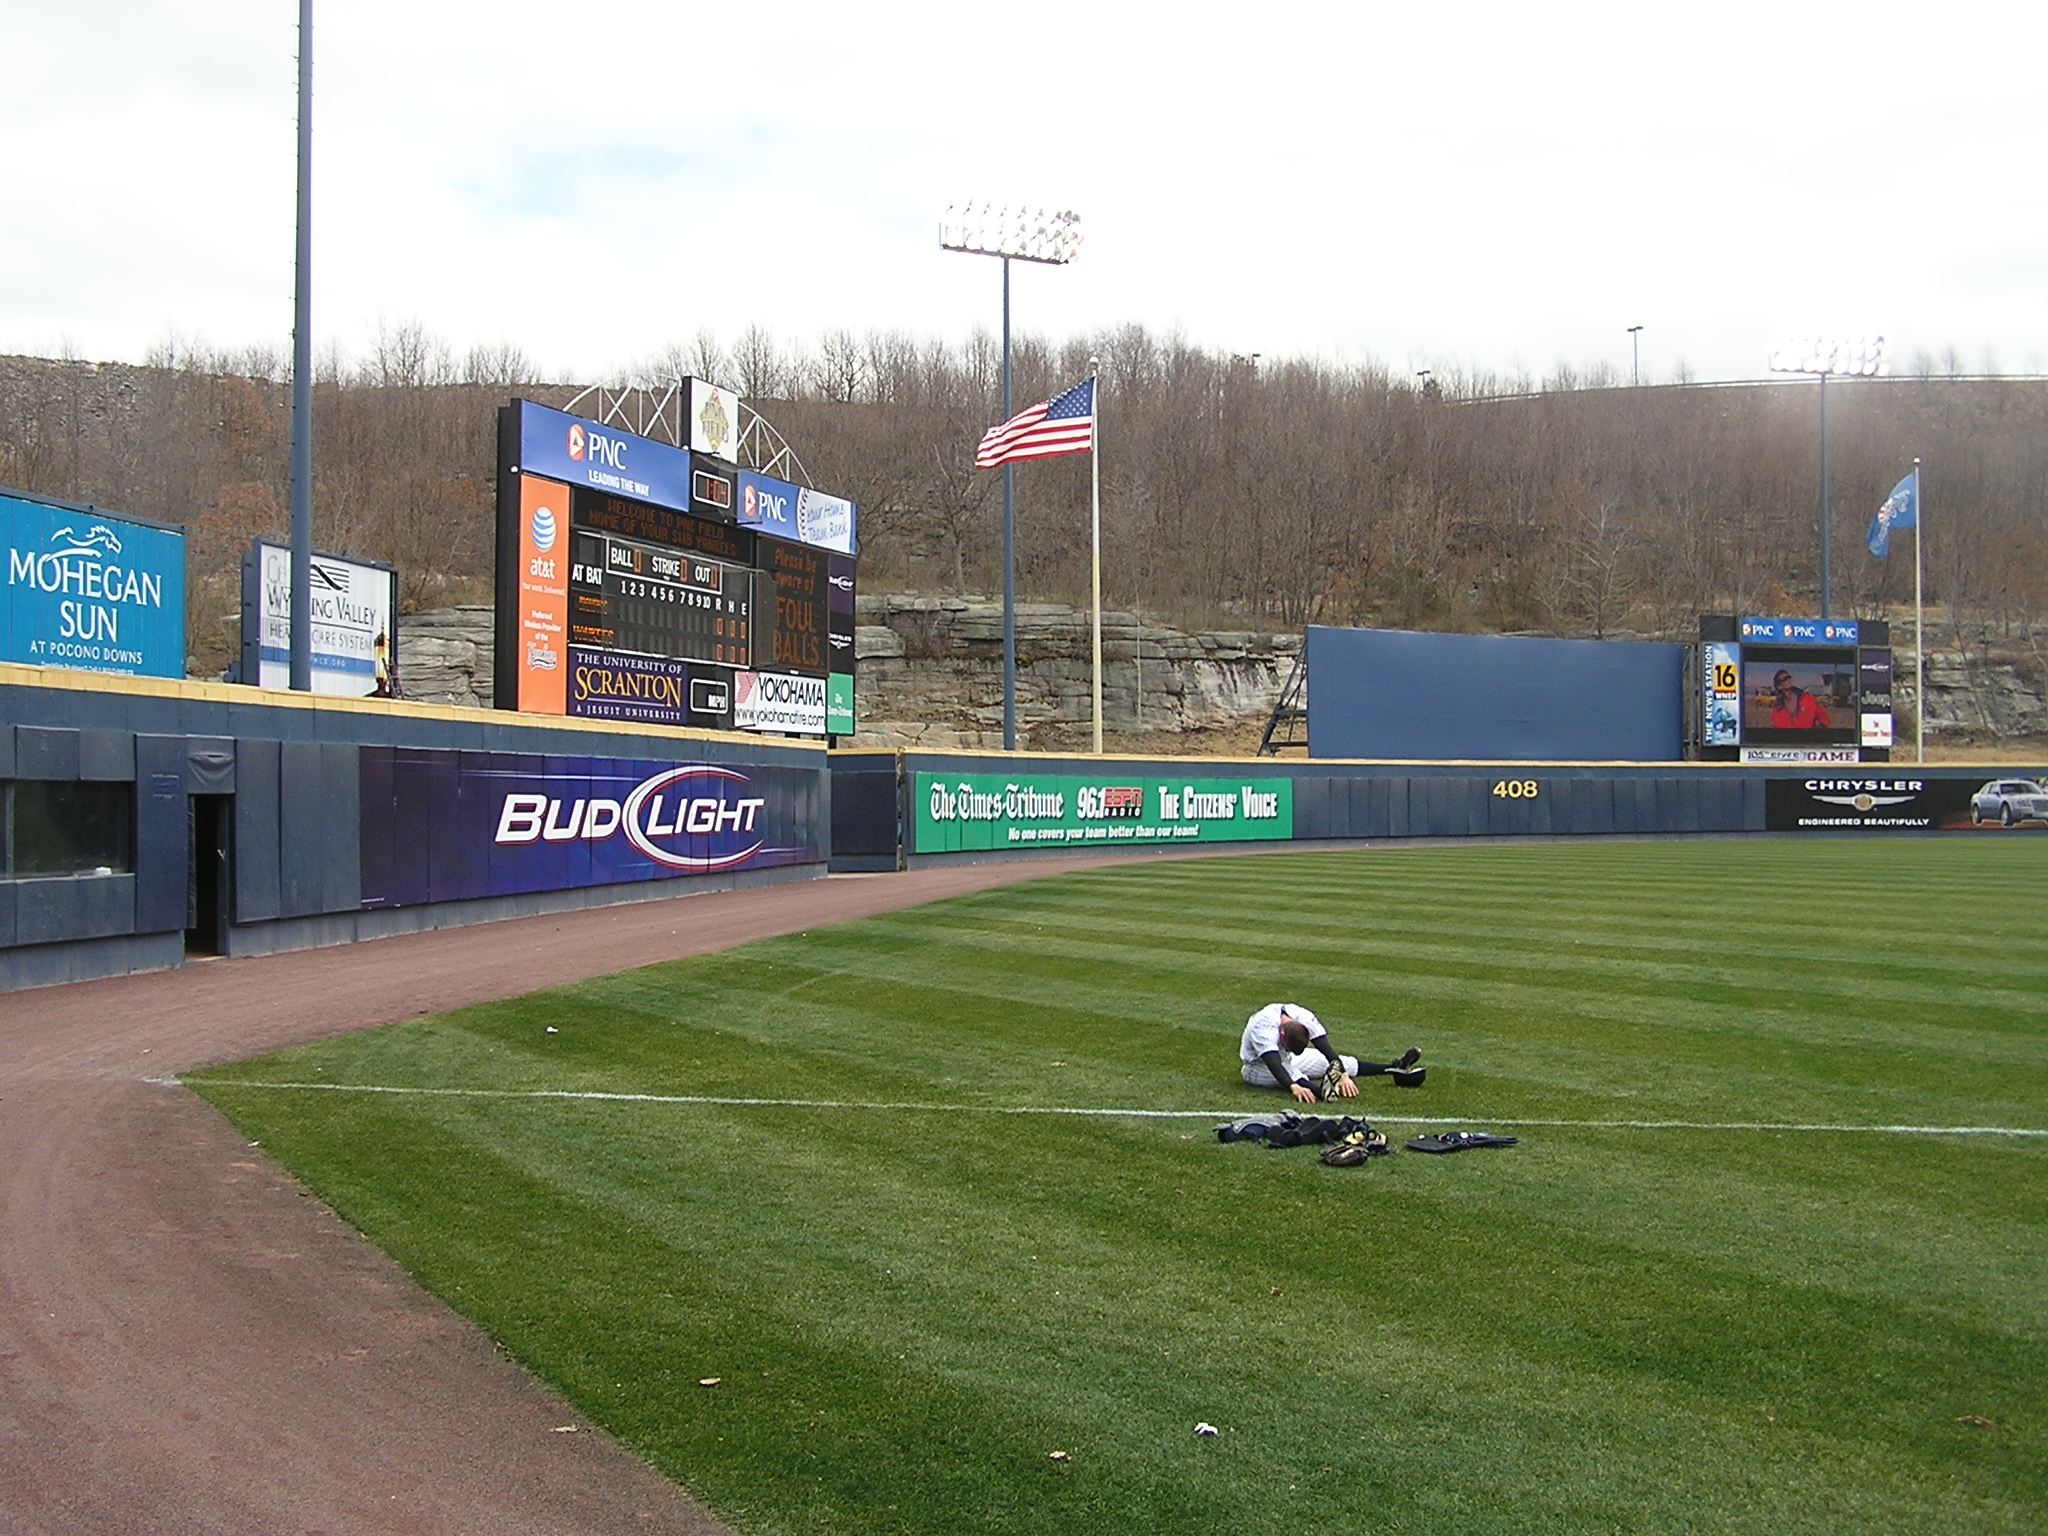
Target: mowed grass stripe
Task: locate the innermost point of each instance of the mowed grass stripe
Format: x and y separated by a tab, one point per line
1594	1330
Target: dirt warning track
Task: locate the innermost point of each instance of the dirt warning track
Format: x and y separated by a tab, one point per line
189	1343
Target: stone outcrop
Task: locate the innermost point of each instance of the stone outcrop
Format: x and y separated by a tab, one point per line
929	672
1972	699
445	656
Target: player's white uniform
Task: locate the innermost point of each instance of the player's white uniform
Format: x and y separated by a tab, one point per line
1262	1034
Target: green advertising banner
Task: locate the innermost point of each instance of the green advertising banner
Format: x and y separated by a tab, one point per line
976	811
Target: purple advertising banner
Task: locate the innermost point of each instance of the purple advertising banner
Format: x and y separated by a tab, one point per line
443	825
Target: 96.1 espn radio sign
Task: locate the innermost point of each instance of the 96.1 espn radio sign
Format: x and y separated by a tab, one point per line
978	811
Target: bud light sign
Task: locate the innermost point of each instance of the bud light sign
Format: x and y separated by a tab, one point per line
454	826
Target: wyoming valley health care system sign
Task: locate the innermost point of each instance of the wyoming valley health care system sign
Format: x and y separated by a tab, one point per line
86	590
970	812
442	825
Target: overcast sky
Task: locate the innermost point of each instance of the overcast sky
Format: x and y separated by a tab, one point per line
1494	187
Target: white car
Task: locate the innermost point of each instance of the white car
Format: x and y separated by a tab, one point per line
2009	802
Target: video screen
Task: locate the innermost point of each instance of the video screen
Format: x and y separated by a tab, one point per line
1793	694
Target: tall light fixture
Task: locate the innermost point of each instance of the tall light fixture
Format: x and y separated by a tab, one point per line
302	379
1635	341
1867	357
1020	234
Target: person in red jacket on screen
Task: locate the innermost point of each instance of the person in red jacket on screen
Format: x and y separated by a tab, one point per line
1796	709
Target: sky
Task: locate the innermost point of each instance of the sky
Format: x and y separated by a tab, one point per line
1492	188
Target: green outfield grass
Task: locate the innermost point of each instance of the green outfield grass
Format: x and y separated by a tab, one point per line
1602	1329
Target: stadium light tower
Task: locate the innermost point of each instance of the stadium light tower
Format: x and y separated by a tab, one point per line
302	378
1868	357
1635	342
1021	234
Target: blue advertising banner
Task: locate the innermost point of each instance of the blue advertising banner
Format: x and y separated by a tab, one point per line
91	591
580	452
1799	631
614	685
441	825
1721	692
796	512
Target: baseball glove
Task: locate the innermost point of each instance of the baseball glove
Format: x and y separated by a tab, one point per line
1327	1086
1354	1149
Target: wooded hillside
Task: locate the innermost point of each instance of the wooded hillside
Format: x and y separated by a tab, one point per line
1233	492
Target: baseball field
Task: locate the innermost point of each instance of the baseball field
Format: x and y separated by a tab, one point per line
920	1224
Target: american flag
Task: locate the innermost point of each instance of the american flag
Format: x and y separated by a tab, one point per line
1063	424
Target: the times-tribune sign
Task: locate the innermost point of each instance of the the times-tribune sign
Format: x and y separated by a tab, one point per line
976	811
91	591
778	701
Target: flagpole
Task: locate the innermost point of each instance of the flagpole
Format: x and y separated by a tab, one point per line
1919	633
1009	548
1095	479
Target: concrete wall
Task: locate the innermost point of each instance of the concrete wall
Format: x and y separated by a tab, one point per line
1352	802
287	768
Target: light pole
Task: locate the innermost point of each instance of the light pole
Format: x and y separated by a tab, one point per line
1856	357
302	379
1635	342
1051	240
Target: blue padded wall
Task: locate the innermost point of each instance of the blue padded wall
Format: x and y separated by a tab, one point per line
1389	693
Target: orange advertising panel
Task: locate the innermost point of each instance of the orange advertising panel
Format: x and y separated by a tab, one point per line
543	595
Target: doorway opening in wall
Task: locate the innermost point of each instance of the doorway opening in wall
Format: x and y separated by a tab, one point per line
210	820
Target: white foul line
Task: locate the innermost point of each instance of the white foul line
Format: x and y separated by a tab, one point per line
596	1096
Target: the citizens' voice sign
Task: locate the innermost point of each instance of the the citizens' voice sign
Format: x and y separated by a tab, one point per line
696	818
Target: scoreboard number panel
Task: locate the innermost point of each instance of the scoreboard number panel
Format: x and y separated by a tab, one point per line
657	601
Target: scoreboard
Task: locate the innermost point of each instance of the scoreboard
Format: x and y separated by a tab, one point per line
1794	690
652	601
627	589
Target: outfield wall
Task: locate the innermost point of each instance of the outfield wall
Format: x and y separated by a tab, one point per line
1392	693
923	807
149	819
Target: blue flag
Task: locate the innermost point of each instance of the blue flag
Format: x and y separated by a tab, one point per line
1901	509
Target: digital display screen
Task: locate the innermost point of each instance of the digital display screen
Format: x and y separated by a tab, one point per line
794	618
604	513
1799	695
627	595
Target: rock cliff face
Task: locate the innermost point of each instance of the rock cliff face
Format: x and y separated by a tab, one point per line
1975	700
929	672
445	656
